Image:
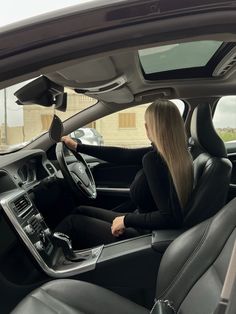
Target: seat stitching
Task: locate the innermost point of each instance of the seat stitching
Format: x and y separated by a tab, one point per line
188	261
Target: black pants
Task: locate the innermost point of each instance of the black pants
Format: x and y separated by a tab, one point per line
90	226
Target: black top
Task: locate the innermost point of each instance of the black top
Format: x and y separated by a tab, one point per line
152	189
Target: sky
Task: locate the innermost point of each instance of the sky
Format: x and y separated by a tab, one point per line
14	11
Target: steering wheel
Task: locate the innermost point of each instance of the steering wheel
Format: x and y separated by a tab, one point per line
77	174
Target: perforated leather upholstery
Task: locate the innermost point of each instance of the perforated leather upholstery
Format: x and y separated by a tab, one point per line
191	275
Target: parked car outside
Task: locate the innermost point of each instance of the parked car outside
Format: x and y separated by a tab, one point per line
88	136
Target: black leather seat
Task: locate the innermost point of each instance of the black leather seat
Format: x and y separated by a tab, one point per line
191	276
212	169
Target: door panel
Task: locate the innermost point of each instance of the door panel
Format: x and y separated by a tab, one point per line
112	181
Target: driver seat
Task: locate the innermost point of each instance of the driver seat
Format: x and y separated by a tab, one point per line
191	276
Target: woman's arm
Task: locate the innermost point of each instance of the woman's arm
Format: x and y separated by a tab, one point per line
112	154
152	221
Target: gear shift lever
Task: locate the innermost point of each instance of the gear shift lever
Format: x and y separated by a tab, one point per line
64	241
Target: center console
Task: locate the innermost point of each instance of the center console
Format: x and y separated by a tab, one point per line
39	239
53	251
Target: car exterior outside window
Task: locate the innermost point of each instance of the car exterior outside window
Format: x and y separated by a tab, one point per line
21	124
123	129
225	118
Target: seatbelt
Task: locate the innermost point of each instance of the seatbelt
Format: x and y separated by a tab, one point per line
228	284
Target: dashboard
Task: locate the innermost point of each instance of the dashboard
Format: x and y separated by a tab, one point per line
24	170
20	175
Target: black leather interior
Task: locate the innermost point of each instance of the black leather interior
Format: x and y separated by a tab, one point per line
191	276
203	132
194	266
212	169
76	297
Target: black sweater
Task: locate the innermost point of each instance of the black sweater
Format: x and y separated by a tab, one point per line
152	189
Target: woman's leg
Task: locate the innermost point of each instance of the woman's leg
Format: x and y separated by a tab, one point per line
87	231
98	213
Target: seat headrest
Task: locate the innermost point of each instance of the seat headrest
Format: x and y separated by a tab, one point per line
203	132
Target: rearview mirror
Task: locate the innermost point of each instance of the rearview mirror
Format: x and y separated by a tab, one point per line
42	92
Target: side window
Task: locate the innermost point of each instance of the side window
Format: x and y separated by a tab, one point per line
124	128
225	118
180	104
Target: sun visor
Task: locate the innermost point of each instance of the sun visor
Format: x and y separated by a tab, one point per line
118	96
86	74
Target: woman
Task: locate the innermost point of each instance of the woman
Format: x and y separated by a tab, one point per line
160	190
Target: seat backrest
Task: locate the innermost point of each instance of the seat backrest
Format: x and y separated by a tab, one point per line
212	169
193	268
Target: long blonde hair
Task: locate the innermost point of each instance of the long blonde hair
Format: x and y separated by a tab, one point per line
166	130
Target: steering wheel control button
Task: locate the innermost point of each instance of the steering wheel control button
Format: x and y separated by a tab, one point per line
39	246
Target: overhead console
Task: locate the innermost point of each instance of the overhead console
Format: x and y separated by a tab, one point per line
97	78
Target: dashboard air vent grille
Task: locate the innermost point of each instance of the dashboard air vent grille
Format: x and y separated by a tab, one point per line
35	225
21	205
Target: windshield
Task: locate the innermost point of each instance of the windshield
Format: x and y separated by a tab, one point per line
21	124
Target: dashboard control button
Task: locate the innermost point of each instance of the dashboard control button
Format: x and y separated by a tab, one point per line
29	229
39	246
39	217
47	232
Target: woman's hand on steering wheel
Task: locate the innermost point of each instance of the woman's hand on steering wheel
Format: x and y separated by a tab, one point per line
71	144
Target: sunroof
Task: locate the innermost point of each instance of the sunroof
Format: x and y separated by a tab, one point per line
178	56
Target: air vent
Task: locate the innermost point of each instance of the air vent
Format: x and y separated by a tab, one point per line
35	225
21	206
226	64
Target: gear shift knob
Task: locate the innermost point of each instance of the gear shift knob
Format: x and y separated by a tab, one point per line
64	241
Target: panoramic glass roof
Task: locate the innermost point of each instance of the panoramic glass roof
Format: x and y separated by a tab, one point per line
177	56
